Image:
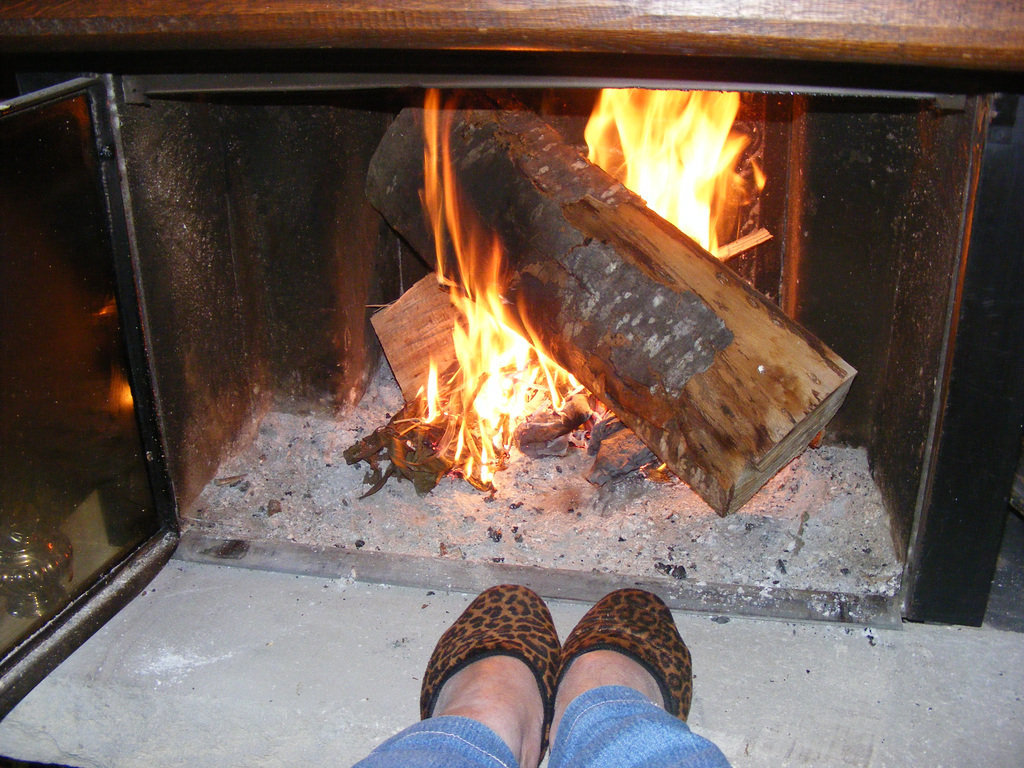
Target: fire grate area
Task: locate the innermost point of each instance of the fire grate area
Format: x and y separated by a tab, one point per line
818	526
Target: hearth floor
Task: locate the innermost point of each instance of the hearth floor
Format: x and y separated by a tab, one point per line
216	666
818	525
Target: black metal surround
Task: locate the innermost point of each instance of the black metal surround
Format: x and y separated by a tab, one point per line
960	524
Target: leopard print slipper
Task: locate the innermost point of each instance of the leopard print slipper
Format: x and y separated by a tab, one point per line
507	620
639	625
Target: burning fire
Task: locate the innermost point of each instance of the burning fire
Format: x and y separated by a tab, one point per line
501	377
673	148
676	149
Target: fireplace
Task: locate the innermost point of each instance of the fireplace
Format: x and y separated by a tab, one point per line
250	254
259	257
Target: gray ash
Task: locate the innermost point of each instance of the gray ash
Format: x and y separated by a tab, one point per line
821	516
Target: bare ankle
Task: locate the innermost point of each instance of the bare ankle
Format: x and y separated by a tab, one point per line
501	693
599	668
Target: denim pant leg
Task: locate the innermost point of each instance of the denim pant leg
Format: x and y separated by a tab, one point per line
442	742
617	727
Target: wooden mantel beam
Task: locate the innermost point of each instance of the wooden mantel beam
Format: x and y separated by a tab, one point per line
961	34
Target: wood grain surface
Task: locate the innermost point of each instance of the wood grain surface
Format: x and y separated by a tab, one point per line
978	34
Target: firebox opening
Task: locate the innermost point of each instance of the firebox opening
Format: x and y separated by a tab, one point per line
261	262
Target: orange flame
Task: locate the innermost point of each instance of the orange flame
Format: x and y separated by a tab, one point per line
673	148
501	377
119	399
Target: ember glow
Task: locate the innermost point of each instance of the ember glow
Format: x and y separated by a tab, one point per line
675	149
119	400
501	377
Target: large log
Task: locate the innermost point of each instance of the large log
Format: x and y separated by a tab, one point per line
712	376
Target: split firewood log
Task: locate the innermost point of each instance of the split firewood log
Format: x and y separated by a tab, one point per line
715	379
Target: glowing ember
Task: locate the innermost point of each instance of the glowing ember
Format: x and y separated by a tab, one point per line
675	149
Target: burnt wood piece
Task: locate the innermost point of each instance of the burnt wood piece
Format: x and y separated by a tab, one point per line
539	449
962	34
713	377
618	455
603	428
617	451
545	432
416	329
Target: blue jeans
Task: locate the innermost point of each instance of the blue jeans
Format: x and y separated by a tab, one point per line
609	727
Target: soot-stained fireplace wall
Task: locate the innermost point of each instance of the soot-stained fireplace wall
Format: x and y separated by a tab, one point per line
258	257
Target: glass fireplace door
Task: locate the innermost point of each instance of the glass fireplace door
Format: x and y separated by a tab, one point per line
78	450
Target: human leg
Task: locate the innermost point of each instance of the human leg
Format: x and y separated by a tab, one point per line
442	742
499	692
616	726
488	691
624	691
623	683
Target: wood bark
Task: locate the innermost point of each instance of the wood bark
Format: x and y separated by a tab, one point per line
712	376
